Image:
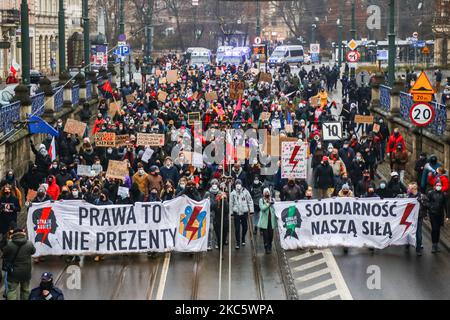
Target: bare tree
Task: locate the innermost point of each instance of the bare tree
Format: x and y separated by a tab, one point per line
175	7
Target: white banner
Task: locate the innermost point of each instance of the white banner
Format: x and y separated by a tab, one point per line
294	160
80	228
347	222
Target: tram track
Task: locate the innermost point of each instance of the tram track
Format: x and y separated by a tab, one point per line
259	282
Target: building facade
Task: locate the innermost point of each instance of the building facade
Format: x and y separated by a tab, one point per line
43	21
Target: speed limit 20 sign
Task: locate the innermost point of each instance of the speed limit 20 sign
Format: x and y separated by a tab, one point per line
422	114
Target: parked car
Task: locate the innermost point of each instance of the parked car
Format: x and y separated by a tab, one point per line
35	76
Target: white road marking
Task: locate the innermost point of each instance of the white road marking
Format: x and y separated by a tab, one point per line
327	296
337	275
163	279
309	265
304	256
317	286
313	275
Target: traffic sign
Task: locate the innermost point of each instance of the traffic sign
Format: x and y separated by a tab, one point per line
416	35
422	114
426	50
314	48
352	44
257	40
422	85
353	56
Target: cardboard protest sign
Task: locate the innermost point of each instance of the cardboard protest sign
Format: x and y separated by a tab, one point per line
211	96
193	117
114	107
332	131
150	139
218	72
158	73
117	169
75	127
294	160
237	89
85	171
288	128
122	192
265	77
162	96
172	76
272	145
147	155
105	139
314	101
363	119
122	140
130	98
376	128
31	194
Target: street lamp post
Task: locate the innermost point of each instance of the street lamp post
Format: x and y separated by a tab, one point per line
392	49
313	33
340	41
87	48
25	38
258	19
353	31
61	37
121	31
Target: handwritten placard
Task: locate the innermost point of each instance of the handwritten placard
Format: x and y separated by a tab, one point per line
130	98
193	117
363	119
117	170
162	96
172	76
237	89
122	140
150	139
105	139
114	107
75	127
265	77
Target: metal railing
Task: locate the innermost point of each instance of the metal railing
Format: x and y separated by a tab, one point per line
37	104
439	123
75	95
385	98
8	115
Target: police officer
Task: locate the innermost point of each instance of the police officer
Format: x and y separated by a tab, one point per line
46	289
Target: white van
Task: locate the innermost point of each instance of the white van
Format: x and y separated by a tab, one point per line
199	56
289	54
220	53
237	56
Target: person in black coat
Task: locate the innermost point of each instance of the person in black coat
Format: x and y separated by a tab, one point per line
46	289
420	166
9	207
67	147
32	179
382	190
169	171
42	160
437	210
323	178
395	187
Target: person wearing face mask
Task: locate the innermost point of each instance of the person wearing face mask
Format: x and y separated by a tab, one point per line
98	124
430	167
323	179
239	173
394	140
345	192
344	179
63	176
54	168
267	220
382	190
346	154
256	191
420	166
53	189
9	208
46	289
168	193
400	159
292	191
363	185
438	213
155	180
216	211
383	134
75	194
10	179
357	168
370	192
241	205
141	179
181	186
191	191
65	193
169	171
318	155
395	187
153	195
42	159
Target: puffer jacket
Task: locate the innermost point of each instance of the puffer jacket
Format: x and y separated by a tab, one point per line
22	263
242	202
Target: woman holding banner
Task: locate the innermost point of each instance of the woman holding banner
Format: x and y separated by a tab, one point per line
267	219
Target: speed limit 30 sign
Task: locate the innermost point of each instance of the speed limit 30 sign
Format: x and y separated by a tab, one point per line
422	114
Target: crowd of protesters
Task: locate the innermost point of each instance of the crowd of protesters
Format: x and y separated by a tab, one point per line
297	102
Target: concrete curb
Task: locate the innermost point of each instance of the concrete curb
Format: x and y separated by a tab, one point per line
285	270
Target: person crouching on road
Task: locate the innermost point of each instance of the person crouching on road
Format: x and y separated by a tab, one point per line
267	219
46	289
242	205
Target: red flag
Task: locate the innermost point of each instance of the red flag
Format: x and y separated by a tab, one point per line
107	87
238	108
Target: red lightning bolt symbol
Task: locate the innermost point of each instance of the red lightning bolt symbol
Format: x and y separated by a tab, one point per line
191	221
41	224
408	210
294	154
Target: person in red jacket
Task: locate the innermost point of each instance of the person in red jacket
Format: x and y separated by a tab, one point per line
53	189
98	124
394	140
439	176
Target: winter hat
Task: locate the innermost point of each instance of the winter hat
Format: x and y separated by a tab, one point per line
346	187
394	174
238	181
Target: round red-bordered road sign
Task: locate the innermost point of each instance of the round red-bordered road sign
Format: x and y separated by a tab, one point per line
353	56
422	114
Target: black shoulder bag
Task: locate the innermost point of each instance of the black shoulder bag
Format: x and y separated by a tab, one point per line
8	266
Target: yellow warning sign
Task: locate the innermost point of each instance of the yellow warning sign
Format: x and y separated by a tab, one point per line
422	85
